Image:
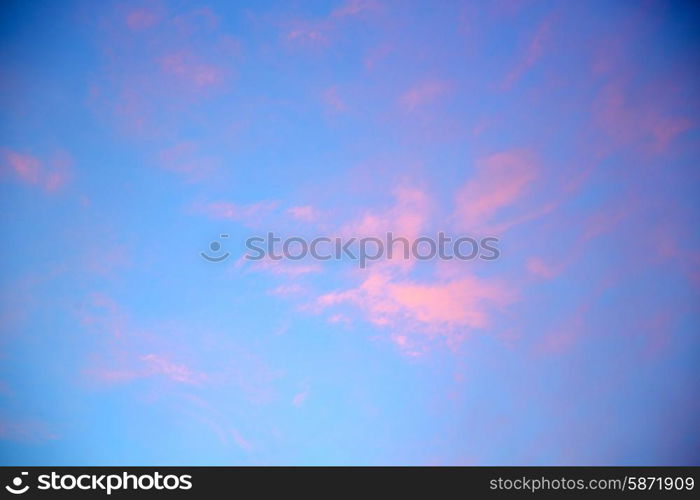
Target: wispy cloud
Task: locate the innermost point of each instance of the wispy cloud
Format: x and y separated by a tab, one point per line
50	175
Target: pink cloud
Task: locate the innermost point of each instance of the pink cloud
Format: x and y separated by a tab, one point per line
59	172
201	19
103	315
218	422
240	440
407	345
160	365
162	354
670	248
424	93
281	267
300	398
407	217
533	53
185	159
166	65
144	18
567	331
252	214
432	306
538	267
120	359
307	35
319	32
114	376
51	176
25	431
107	260
333	101
339	319
27	168
287	290
355	7
448	305
639	121
500	181
130	366
377	54
456	303
189	69
305	213
563	338
604	220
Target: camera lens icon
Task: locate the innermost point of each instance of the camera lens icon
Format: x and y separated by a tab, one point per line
16	488
215	247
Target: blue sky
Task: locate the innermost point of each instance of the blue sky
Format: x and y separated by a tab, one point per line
133	134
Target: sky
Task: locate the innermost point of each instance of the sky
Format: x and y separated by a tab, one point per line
135	134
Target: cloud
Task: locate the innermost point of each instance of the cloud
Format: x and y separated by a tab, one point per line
639	118
26	167
240	440
191	70
424	93
27	430
435	306
463	302
186	159
159	365
50	175
339	319
251	215
300	398
281	267
287	290
319	32
533	52
304	213
165	66
407	345
131	367
143	18
308	35
202	19
500	180
406	217
354	7
376	54
538	267
102	314
127	350
333	101
106	260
